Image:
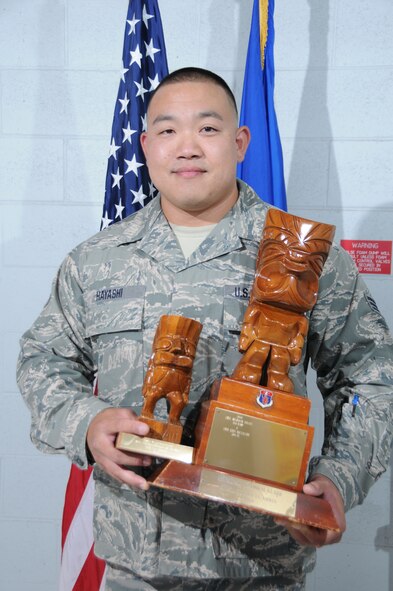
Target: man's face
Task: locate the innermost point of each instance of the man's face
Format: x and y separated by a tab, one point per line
192	146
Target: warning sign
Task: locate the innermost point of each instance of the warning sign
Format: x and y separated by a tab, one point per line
370	256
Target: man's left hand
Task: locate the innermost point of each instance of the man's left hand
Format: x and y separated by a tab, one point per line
305	535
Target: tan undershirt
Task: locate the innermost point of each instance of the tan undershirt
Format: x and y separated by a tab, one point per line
190	237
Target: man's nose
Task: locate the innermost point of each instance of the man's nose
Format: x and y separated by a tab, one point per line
189	146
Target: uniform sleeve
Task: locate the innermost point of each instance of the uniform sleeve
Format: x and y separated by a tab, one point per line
55	371
351	350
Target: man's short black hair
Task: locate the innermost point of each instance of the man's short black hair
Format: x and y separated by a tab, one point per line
191	74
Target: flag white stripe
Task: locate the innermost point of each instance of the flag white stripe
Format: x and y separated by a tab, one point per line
102	586
79	540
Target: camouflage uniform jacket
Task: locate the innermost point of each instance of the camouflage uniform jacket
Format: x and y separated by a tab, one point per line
101	317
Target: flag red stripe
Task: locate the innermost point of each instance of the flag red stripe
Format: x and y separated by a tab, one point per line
76	485
91	574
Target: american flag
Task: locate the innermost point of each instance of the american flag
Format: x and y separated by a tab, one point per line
128	185
128	188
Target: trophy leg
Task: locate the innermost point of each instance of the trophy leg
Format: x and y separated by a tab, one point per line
176	400
155	394
250	367
277	373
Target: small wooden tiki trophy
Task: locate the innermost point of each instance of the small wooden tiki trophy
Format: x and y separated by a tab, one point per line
168	376
253	440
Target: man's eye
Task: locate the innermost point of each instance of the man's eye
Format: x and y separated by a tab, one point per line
209	129
166	131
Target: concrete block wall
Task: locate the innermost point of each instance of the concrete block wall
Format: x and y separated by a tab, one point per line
59	71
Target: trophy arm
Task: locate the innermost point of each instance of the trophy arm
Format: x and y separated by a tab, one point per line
296	345
148	381
249	332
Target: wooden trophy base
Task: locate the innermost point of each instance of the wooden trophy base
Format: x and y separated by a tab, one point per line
252	450
215	485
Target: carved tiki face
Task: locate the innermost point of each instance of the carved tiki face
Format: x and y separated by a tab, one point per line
175	342
291	256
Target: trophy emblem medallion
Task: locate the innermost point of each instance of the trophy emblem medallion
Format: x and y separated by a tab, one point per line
265	398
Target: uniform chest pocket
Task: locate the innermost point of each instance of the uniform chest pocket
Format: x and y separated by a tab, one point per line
115	330
233	314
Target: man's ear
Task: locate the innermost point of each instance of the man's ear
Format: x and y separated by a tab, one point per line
243	137
143	140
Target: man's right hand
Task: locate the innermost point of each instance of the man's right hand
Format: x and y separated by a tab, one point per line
101	437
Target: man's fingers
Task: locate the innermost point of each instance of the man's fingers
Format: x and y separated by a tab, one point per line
304	534
130	459
130	425
113	455
321	486
311	536
313	488
298	536
101	436
107	424
126	476
115	424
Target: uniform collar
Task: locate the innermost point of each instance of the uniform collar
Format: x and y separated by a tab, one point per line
151	230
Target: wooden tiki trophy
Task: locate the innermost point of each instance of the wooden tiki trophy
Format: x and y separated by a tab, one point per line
168	376
253	440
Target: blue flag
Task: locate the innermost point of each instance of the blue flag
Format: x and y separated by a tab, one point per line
263	165
128	185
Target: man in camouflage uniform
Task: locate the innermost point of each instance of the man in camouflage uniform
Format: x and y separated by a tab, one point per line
101	318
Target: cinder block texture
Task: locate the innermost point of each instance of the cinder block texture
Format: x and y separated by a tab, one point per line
339	103
364	34
87	161
59	74
58	102
95	43
305	33
23	556
187	21
300	155
32	33
14	429
31	168
62	227
9	348
44	505
364	167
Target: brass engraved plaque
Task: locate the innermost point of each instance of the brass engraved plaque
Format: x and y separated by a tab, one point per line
255	447
155	447
254	495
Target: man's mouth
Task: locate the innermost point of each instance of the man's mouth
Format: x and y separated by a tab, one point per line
189	172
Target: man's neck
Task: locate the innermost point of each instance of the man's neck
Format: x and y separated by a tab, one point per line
211	215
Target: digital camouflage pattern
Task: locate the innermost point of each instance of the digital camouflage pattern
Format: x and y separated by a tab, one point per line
102	315
118	579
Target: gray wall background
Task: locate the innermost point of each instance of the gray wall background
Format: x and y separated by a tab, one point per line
59	72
